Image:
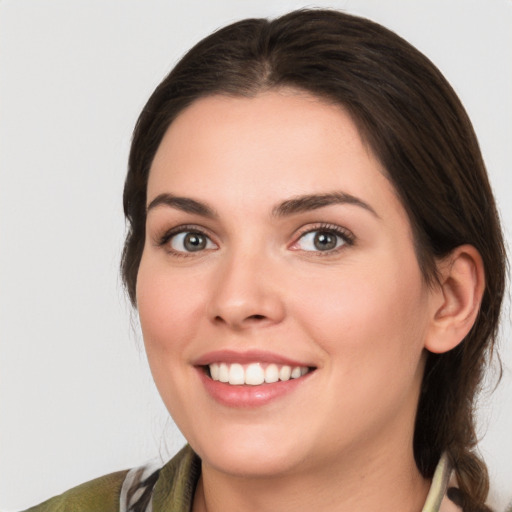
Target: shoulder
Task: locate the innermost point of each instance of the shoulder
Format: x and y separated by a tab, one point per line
99	495
169	487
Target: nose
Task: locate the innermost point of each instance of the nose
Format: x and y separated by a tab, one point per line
246	293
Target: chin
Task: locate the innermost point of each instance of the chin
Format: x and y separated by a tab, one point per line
253	465
252	456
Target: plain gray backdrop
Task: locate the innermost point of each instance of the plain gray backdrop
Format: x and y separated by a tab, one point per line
76	397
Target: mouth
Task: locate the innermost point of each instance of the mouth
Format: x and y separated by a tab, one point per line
255	373
252	378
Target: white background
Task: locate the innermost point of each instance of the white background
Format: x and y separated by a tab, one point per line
76	397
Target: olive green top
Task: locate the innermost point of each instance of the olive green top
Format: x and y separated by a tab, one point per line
171	489
172	492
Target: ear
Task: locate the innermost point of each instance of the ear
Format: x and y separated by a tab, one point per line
456	300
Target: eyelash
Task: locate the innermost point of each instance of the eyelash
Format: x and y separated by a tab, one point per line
347	237
168	235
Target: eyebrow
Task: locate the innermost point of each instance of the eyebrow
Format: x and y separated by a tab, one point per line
299	204
310	202
184	204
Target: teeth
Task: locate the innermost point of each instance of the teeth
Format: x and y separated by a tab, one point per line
215	371
271	373
285	373
236	374
296	373
254	374
223	372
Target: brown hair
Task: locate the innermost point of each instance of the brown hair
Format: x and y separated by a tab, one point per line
415	124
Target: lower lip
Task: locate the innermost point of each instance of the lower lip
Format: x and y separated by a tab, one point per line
249	396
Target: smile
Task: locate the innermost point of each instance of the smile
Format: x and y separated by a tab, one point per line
251	378
254	374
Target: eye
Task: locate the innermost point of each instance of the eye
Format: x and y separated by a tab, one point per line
187	241
323	240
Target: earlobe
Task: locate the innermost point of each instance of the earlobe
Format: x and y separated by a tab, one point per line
457	298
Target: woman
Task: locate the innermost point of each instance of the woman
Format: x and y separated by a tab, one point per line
317	262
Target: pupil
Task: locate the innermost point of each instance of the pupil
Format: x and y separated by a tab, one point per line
325	241
194	242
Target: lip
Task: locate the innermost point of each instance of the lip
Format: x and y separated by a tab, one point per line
246	357
246	396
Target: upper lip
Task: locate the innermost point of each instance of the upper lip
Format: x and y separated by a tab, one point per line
246	357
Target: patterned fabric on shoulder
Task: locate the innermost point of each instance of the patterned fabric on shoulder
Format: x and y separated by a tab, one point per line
137	490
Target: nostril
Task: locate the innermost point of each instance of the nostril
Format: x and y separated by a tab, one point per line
219	319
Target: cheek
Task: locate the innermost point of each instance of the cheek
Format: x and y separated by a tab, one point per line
364	316
372	328
168	309
169	317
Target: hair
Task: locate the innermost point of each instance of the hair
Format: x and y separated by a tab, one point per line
415	125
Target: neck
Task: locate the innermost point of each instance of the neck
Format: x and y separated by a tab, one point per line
385	481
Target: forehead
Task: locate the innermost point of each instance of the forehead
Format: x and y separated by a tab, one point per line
274	145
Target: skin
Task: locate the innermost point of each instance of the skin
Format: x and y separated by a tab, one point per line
361	314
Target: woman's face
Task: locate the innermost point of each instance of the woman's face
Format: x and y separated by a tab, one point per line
277	249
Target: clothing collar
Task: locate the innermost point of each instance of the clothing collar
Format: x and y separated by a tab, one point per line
173	486
443	479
